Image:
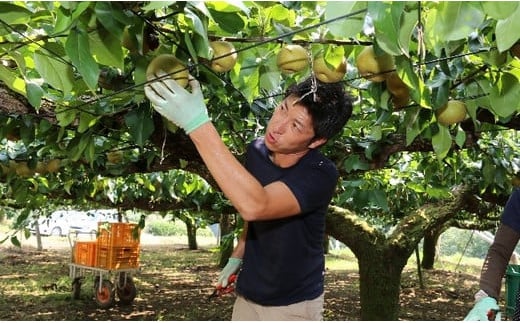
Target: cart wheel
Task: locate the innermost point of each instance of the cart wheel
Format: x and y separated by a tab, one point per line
76	288
126	290
105	296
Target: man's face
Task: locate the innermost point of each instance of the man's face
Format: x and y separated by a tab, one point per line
290	129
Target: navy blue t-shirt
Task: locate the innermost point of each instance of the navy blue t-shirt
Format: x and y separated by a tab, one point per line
511	213
283	261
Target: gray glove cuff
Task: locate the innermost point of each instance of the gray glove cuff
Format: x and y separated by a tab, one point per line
480	295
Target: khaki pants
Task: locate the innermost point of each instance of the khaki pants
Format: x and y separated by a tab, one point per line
245	310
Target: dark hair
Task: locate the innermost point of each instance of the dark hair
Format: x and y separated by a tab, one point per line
329	105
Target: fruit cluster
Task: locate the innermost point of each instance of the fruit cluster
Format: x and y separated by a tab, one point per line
224	59
293	58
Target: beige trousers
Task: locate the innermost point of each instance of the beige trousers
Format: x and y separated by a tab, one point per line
245	310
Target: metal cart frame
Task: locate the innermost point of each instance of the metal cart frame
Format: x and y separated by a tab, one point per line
105	290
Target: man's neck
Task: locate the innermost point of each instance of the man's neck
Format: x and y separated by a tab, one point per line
287	160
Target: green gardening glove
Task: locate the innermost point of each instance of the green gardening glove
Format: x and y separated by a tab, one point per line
185	109
485	309
232	266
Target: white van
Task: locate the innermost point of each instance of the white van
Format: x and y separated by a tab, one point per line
58	223
61	222
89	222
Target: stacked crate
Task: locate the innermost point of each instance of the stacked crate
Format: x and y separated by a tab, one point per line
117	245
85	253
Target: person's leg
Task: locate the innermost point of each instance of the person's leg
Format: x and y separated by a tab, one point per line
311	310
244	310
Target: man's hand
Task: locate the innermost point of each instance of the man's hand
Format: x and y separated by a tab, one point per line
185	109
485	309
232	266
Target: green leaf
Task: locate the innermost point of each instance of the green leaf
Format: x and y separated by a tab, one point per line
86	121
141	63
197	24
54	71
270	81
15	241
376	132
113	19
189	44
282	14
230	22
499	9
106	49
78	49
12	14
413	128
334	55
348	27
506	31
457	19
441	142
44	126
140	124
12	80
353	162
378	198
65	115
460	138
505	95
34	94
153	5
408	24
79	8
90	152
62	21
77	146
419	91
488	171
225	6
386	17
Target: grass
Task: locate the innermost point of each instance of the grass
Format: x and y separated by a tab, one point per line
344	259
337	259
174	282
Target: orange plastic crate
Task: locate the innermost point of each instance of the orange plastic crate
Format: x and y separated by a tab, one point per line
118	257
118	234
85	253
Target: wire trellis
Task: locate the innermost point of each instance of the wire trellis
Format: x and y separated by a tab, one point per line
191	66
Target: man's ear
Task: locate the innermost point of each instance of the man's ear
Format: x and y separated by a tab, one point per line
315	143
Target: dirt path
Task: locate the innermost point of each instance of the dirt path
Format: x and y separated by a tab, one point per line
174	283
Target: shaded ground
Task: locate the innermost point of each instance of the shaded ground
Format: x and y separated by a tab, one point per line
174	284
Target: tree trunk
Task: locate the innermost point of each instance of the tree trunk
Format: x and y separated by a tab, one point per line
226	239
326	244
380	283
430	248
380	261
39	245
381	256
192	234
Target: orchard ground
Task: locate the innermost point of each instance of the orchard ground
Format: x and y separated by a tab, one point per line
174	283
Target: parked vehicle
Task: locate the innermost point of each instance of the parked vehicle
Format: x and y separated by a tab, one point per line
57	224
89	222
61	222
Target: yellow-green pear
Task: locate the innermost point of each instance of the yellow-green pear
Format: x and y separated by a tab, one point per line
292	58
170	65
452	112
228	53
373	67
326	74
